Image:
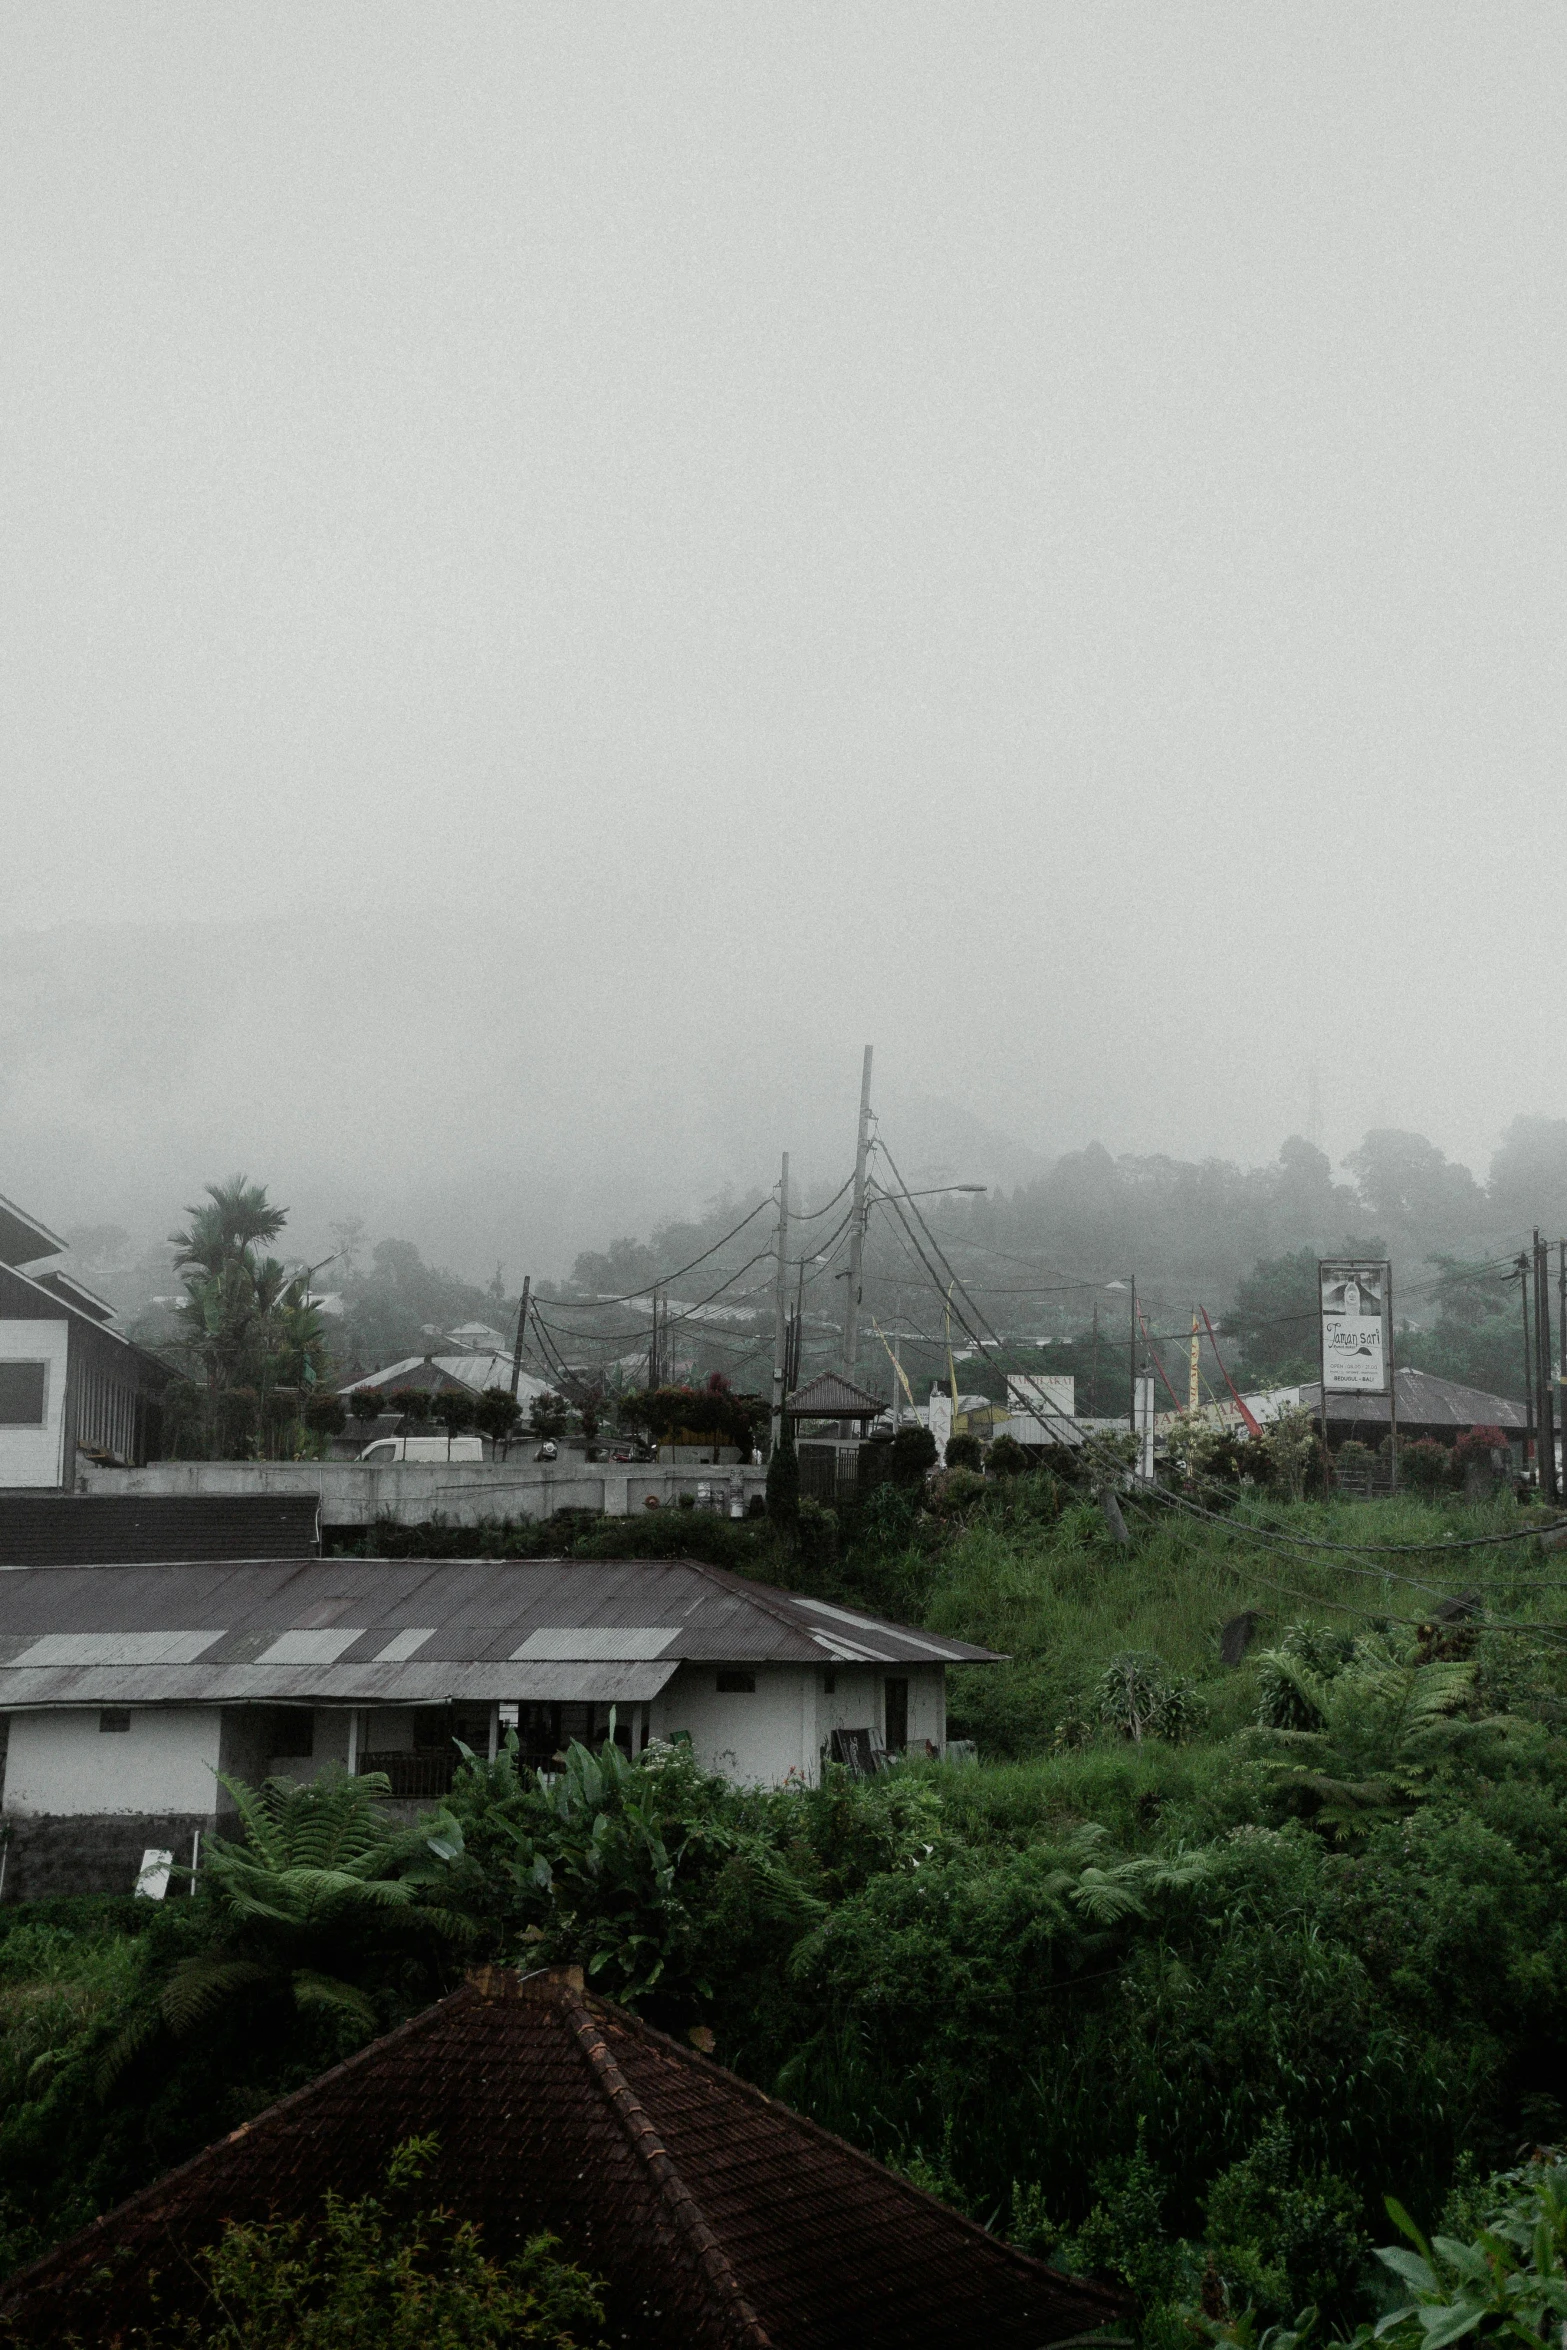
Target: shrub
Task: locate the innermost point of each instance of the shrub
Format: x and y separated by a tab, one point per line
411	1403
965	1452
1140	1696
783	1481
547	1416
913	1455
326	1413
497	1415
456	1408
1292	1445
1424	1465
1282	1704
1007	1458
383	2275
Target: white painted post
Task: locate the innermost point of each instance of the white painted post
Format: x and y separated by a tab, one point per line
353	1741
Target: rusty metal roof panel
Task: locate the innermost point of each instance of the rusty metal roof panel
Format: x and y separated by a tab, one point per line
370	1683
359	1630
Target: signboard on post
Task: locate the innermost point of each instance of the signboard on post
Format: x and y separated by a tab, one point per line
1357	1335
1355	1344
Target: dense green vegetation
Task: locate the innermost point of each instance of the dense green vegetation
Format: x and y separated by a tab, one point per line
381	2272
1196	1966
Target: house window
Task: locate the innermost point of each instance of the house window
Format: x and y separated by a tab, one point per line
24	1394
737	1684
829	1683
896	1701
115	1717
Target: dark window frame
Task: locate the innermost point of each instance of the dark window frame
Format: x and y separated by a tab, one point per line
10	1366
736	1684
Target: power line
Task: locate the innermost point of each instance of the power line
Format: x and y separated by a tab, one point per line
587	1305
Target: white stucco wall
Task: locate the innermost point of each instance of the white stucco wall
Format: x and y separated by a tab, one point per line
61	1763
760	1738
32	1456
756	1738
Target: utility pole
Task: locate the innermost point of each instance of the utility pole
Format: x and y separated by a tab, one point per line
851	1310
1521	1268
652	1350
522	1324
1094	1406
780	1306
1193	1386
1545	1441
1131	1361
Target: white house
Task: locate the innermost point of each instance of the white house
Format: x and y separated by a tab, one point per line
127	1689
70	1386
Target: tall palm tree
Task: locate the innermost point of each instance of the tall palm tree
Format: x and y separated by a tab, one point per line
237	1215
245	1318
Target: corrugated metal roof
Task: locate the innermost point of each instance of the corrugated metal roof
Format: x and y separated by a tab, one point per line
477	1371
26	1297
341	1630
829	1396
119	1529
23	1240
74	1293
1424	1401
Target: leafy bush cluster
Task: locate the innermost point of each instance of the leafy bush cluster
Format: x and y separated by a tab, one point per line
380	2273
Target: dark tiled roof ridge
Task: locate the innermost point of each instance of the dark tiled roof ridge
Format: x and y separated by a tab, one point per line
144	2203
626	2020
633	2118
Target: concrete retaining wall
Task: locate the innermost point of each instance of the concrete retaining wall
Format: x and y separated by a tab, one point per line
463	1493
94	1854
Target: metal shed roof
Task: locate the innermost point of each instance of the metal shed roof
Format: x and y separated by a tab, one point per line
118	1529
23	1240
412	1631
830	1396
1424	1401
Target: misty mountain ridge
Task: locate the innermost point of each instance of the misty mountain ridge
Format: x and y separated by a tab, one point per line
454	1087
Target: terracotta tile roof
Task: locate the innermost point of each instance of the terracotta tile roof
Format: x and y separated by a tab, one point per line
722	2220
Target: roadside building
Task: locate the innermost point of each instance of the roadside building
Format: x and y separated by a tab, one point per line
472	1369
832	1417
718	2219
128	1689
1427	1406
71	1386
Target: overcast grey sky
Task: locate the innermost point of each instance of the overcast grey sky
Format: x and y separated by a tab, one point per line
1029	533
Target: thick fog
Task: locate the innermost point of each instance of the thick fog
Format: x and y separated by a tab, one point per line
563	568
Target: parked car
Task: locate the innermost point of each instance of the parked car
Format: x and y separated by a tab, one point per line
424	1448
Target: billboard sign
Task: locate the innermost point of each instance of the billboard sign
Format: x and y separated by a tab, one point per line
1042	1392
1357	1342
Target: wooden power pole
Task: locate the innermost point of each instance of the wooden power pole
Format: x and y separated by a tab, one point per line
851	1310
522	1325
780	1310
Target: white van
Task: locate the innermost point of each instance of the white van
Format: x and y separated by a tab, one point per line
424	1448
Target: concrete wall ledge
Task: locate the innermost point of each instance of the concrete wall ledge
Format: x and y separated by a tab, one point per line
463	1493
